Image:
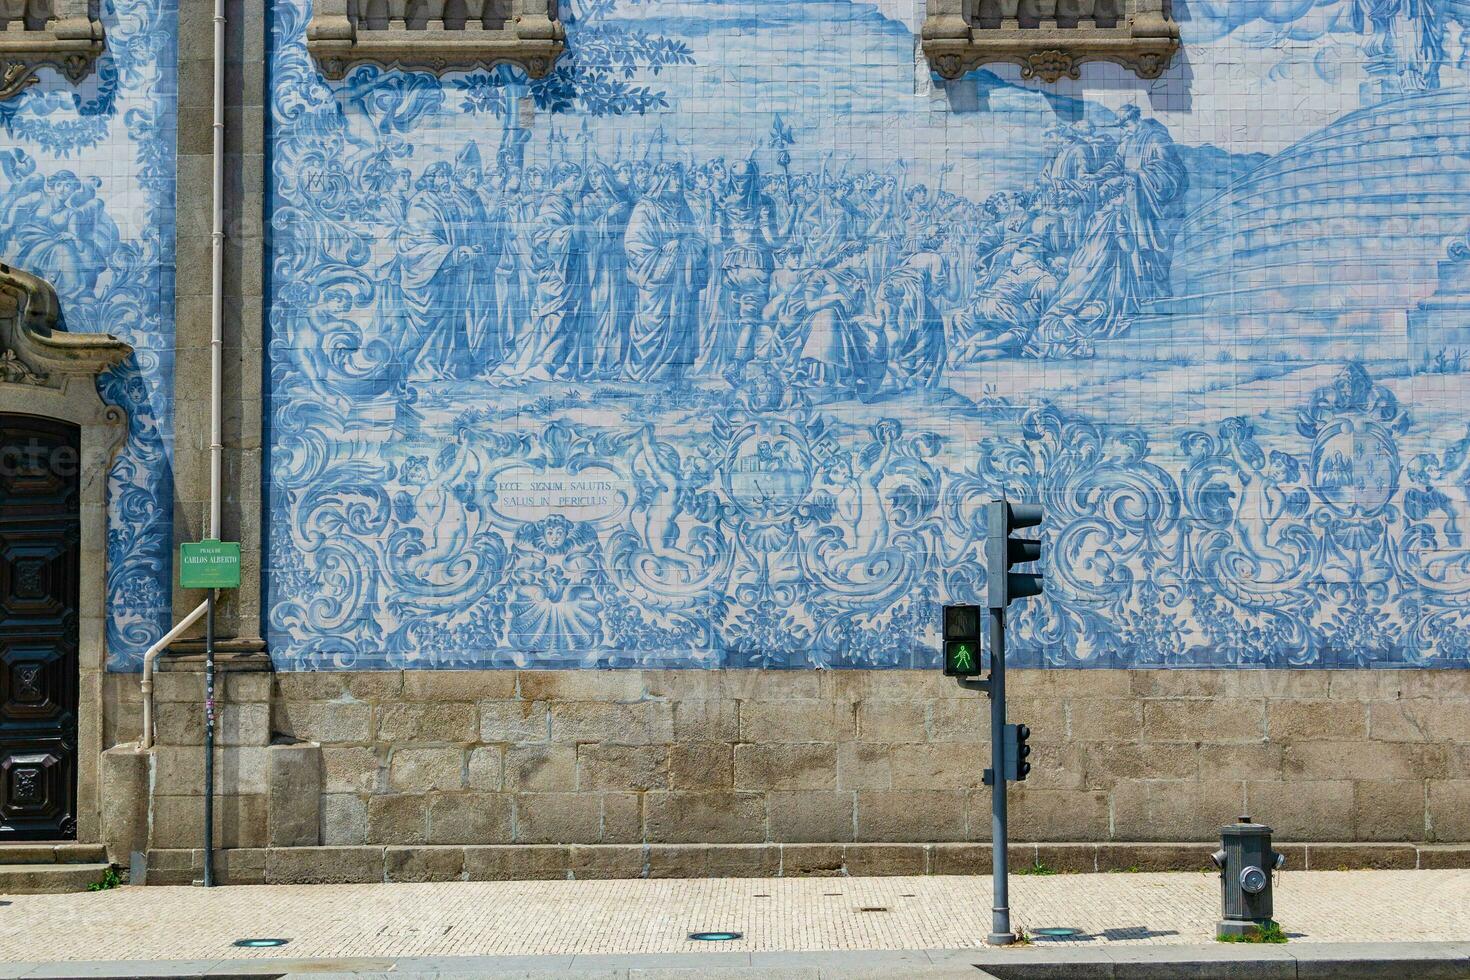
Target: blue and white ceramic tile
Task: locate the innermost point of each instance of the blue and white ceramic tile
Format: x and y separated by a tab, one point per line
708	349
87	201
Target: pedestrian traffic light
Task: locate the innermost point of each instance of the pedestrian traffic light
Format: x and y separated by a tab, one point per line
1017	749
1002	550
961	641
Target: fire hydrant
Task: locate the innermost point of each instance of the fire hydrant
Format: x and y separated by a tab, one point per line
1245	860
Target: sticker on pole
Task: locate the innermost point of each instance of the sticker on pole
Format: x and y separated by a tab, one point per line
209	565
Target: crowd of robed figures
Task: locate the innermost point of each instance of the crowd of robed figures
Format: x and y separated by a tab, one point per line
859	283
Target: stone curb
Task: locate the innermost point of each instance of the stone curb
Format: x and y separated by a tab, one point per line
1292	961
1304	961
367	864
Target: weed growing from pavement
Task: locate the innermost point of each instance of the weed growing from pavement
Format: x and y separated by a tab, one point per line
1037	868
1268	933
110	879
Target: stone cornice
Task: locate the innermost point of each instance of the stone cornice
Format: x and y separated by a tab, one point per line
71	41
1144	40
32	351
532	38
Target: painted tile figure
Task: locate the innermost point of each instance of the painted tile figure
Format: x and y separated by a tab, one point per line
435	262
607	209
666	262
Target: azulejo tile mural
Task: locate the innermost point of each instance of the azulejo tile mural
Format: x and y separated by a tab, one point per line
703	350
708	349
87	201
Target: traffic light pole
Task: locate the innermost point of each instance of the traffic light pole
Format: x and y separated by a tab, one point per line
1000	912
1003	550
209	742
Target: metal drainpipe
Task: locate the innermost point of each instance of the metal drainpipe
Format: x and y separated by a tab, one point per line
146	739
216	371
216	364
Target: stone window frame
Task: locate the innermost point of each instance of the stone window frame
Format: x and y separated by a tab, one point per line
51	373
1144	39
533	38
70	40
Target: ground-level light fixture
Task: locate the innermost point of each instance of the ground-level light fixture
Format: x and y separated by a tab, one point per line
260	943
715	937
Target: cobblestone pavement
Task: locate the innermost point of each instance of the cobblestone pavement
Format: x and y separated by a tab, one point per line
643	917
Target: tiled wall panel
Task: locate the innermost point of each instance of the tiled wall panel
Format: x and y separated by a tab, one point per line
87	180
708	349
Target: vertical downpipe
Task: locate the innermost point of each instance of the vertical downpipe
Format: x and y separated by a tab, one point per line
216	447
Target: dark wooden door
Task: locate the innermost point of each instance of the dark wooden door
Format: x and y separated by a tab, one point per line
40	536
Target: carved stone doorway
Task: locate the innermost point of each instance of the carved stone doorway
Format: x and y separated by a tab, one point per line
53	570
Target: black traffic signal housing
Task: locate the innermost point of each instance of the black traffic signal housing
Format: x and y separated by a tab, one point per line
1003	550
1016	748
962	641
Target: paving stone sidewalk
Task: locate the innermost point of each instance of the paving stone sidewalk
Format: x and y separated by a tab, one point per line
645	917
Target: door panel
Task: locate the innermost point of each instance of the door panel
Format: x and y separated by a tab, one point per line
39	568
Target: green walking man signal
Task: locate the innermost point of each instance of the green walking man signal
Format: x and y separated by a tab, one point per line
962	660
962	641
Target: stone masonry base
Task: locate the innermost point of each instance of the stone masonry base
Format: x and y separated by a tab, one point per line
427	775
366	864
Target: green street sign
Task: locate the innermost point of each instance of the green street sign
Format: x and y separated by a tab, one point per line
209	565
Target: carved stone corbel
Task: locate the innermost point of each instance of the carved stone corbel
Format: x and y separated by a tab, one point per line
339	37
1048	39
70	41
32	351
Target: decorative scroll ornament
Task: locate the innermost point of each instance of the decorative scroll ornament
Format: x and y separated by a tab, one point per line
70	40
32	350
17	372
15	76
1050	66
1459	250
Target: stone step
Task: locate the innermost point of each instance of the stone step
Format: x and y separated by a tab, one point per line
44	879
51	852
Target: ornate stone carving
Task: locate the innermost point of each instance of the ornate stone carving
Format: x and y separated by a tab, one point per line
30	327
62	34
1050	39
32	351
17	372
435	35
1050	65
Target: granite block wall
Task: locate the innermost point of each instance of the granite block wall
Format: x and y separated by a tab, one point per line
654	758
